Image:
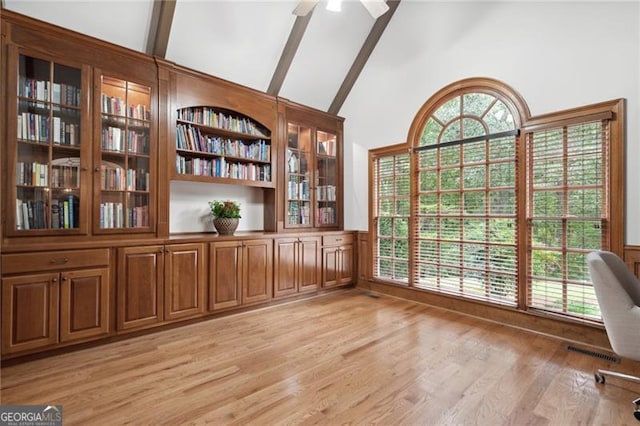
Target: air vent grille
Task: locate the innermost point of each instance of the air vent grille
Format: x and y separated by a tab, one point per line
600	355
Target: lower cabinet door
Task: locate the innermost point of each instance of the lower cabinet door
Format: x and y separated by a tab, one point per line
84	304
29	312
225	273
330	272
257	276
140	283
309	264
184	281
285	267
346	264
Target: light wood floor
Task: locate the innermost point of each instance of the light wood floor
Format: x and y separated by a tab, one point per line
344	358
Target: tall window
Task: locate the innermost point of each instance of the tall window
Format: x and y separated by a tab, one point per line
504	207
465	204
391	215
566	214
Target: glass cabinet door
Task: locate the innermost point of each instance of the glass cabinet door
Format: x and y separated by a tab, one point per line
48	147
125	161
326	179
298	179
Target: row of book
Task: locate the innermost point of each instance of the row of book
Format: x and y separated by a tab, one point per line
112	215
35	127
57	93
327	147
299	214
326	193
119	179
326	215
65	176
298	190
32	174
36	214
219	167
115	138
212	118
117	106
190	138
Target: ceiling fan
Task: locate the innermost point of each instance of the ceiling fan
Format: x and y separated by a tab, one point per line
376	8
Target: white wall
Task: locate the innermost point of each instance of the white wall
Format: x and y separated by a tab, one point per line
189	208
557	55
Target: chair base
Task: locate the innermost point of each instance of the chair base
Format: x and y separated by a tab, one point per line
600	378
600	375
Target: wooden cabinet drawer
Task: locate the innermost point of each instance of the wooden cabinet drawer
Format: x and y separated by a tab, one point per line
337	239
53	260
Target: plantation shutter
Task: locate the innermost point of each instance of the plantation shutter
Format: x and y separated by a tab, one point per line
567	214
466	226
392	193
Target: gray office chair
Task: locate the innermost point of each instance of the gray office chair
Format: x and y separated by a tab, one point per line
618	293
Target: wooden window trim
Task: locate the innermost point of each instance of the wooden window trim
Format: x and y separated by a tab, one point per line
614	111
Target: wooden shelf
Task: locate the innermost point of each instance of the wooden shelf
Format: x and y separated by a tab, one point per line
215	179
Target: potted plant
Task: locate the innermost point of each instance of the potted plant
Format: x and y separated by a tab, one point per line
226	215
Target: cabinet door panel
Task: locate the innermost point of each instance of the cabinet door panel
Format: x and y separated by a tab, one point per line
257	271
329	266
346	264
29	312
225	266
285	267
363	257
140	281
309	264
184	285
84	304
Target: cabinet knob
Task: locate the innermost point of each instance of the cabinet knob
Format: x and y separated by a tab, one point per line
64	278
97	169
59	261
84	169
54	280
160	251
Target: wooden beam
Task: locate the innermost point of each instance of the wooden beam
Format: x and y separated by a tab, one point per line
363	56
288	53
161	20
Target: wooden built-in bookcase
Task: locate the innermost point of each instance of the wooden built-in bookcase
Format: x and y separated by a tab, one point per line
126	156
214	145
93	136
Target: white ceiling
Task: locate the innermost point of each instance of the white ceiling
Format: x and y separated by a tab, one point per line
236	40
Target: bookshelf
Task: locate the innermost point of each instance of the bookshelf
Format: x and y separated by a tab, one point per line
46	171
327	179
298	176
222	146
312	178
124	166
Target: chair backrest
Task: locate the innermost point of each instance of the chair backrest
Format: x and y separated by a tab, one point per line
618	293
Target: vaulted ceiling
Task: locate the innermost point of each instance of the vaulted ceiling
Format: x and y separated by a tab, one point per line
313	60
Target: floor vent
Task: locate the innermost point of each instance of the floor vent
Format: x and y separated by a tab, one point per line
600	355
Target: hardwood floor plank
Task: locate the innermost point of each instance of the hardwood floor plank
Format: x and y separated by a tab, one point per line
338	359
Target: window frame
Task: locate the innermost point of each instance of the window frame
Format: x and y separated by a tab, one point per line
615	177
374	155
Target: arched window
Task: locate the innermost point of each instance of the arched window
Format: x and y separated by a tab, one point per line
504	207
465	205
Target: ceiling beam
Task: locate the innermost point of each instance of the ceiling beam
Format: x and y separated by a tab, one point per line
360	61
288	53
160	28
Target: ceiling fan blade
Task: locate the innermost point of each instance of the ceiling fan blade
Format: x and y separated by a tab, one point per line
304	7
376	8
